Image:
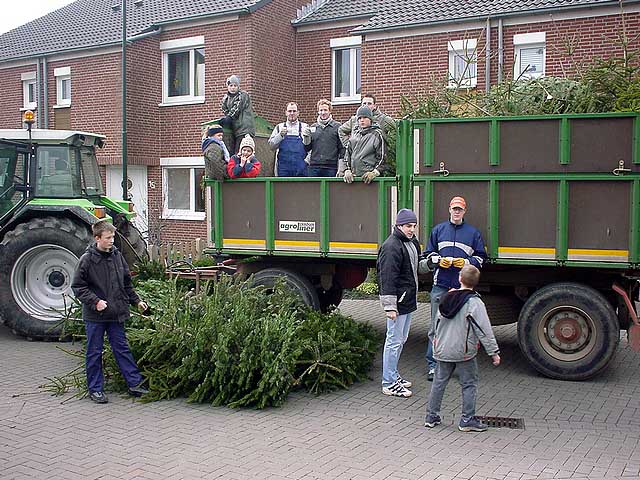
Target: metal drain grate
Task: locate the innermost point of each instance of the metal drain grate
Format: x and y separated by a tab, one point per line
503	422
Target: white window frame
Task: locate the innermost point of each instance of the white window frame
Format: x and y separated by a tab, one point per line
189	44
352	44
525	41
192	163
466	48
28	79
62	74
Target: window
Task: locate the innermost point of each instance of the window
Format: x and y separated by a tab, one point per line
183	70
530	51
182	188
29	95
346	61
63	86
463	63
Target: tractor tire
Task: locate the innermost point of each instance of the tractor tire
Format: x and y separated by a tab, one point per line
298	283
37	262
131	244
568	331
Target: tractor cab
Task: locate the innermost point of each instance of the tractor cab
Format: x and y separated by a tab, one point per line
47	164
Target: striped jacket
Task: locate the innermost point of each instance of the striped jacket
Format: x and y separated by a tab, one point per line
458	241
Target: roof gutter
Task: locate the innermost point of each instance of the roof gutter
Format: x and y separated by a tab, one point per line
237	11
479	18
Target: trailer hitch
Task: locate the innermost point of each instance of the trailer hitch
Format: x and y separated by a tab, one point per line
634	330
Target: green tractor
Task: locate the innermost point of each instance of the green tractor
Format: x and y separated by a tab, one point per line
50	194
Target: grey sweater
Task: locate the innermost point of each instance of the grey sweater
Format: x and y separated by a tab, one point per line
457	339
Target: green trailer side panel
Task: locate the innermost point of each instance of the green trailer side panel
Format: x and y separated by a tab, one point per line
353	216
243	223
529	146
599	214
598	144
297	211
463	147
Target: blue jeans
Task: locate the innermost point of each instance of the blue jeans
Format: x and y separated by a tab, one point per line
322	172
121	352
397	334
437	293
468	378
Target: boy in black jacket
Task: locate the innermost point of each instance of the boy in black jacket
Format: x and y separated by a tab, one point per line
102	283
398	281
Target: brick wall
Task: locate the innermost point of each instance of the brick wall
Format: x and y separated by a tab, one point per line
314	73
12	100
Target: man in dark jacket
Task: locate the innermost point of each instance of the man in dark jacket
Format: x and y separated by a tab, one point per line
102	283
323	141
398	282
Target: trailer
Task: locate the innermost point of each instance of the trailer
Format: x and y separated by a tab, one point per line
556	198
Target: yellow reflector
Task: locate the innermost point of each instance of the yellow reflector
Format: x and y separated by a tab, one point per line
99	212
28	116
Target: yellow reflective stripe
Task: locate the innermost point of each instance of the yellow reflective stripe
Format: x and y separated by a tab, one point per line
368	246
599	253
244	241
296	243
527	250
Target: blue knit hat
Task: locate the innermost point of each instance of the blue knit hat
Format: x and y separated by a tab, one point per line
213	129
406	216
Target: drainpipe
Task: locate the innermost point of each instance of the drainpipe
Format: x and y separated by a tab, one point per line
487	56
45	93
38	94
500	51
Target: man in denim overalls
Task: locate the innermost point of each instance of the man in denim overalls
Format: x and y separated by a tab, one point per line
287	139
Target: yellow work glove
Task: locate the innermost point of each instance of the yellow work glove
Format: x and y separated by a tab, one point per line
348	176
445	262
369	176
458	262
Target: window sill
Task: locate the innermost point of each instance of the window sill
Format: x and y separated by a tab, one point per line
455	86
345	100
193	101
24	109
183	215
62	106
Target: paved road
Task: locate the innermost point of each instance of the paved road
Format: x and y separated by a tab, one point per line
586	430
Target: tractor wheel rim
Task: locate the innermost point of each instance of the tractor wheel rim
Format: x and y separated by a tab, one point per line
41	281
567	333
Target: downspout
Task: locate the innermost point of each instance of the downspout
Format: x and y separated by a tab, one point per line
45	93
500	51
38	94
487	56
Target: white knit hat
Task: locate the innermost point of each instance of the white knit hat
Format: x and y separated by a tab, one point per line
247	141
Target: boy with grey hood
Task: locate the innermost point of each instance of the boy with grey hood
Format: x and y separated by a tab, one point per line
461	325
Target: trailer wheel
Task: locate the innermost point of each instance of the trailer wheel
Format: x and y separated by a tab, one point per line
330	299
36	269
568	331
300	285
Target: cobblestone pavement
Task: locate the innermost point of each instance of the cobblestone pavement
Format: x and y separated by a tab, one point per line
574	430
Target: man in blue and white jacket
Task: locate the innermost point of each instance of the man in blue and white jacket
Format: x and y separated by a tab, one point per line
452	245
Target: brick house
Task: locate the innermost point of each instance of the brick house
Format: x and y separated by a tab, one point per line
67	66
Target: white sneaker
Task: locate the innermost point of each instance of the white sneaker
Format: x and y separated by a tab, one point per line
397	390
404	382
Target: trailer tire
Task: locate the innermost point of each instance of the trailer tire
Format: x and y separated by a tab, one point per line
297	282
37	263
568	331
